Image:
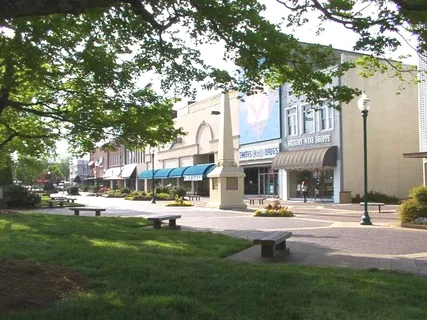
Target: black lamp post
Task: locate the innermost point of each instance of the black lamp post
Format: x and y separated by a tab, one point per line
364	106
153	199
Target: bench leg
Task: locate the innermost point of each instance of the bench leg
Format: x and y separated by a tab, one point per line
61	204
261	202
282	247
379	209
97	213
251	201
267	251
76	212
172	224
157	224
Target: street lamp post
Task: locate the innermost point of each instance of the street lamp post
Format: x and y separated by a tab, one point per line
153	199
364	106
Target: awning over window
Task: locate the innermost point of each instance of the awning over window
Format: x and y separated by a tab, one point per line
306	159
128	170
199	169
112	173
178	172
147	174
163	173
415	155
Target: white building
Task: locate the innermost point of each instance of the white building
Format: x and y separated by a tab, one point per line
79	167
422	107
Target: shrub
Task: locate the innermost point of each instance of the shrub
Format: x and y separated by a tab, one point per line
20	197
125	190
140	198
162	189
74	191
374	196
179	202
274	210
177	191
415	206
85	188
115	194
163	196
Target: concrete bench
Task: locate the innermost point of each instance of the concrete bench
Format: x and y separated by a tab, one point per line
194	197
78	209
374	204
157	220
260	200
275	240
63	199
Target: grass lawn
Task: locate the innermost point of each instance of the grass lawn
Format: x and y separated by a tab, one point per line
161	274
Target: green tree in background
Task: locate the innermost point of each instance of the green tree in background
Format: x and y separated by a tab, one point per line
28	169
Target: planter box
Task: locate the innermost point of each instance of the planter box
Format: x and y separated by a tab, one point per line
414	226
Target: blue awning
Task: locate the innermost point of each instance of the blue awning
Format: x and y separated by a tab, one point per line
199	169
147	174
178	172
163	173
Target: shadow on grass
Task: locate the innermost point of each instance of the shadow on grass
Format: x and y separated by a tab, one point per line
140	273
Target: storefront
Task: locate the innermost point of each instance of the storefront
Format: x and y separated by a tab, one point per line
256	161
317	166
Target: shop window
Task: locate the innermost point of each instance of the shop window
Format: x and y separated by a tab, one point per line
232	183
292	123
308	116
214	183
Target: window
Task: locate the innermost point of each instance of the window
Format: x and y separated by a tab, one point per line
291	117
326	118
308	118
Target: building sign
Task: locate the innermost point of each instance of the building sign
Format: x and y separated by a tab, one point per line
261	152
313	140
198	177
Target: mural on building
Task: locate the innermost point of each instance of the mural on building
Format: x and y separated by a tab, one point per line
259	117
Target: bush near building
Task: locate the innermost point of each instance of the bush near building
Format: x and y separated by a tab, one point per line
375	196
414	209
74	191
20	197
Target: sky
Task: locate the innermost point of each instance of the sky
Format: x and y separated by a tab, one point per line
335	35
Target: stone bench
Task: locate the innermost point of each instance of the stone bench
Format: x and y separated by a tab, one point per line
157	220
260	200
274	240
374	204
78	209
192	197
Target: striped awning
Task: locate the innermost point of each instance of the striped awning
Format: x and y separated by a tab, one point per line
163	173
147	174
306	159
178	172
199	169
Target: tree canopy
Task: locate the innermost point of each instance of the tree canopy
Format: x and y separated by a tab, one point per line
75	69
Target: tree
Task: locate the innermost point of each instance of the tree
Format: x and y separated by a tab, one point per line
73	69
378	23
28	169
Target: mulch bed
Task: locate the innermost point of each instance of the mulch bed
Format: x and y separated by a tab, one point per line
26	285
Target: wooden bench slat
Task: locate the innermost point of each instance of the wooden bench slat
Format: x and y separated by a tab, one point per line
164	217
273	238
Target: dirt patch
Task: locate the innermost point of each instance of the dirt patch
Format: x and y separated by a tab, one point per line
28	285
